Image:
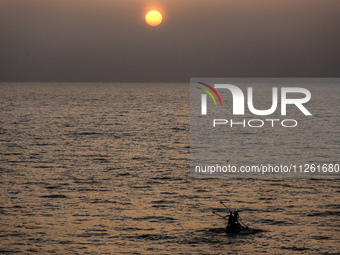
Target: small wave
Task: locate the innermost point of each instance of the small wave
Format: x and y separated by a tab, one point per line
52	187
45	144
42	166
134	229
276	222
154	237
294	248
266	198
17	206
155	219
201	190
168	193
54	196
66	242
321	237
163	202
13	234
140	187
86	181
142	158
89	189
4	251
100	201
91	234
167	178
88	133
101	159
179	129
332	206
120	174
327	213
159	206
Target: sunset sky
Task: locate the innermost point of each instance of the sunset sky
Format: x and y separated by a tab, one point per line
109	40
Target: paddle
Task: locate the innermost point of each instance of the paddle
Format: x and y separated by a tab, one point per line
221	202
224	217
243	223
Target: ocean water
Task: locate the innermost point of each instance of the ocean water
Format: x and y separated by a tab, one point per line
105	169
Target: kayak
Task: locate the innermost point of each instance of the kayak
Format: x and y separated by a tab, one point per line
238	230
234	223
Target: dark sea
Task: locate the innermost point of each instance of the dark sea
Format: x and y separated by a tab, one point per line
90	168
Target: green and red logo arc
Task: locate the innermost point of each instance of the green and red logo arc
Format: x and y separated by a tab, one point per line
209	93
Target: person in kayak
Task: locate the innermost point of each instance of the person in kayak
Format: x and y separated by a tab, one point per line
233	221
236	216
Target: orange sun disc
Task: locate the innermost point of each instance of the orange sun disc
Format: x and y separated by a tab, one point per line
153	18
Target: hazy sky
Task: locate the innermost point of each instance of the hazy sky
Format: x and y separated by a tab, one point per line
109	41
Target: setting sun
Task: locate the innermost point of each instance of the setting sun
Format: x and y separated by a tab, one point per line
153	18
